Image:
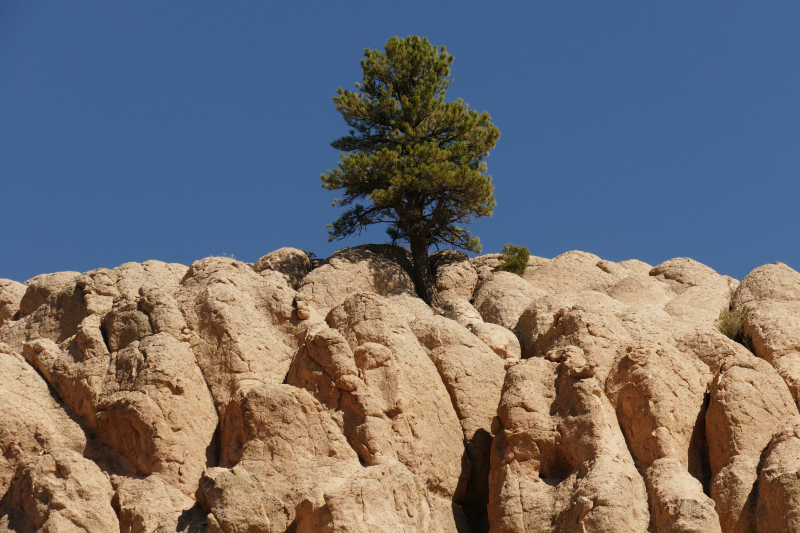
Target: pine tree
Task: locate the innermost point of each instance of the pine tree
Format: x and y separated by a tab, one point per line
416	159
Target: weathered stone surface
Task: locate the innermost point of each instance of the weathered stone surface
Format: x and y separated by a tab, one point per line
32	420
701	292
658	393
560	462
63	340
642	291
773	294
774	327
385	498
677	501
57	306
537	327
572	272
11	293
157	411
59	491
588	396
396	407
291	262
589	322
41	287
456	278
500	340
236	502
465	313
239	326
503	297
486	264
149	505
473	376
779	482
286	441
164	276
384	270
748	402
776	281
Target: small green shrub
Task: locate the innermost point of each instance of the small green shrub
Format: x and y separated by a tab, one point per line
731	324
514	259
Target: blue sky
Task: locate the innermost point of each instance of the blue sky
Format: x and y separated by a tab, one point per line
177	130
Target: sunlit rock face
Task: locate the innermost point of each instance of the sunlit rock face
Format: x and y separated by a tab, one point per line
300	396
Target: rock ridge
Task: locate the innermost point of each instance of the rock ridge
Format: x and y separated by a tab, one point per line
294	395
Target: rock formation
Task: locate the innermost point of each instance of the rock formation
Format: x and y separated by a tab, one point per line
295	395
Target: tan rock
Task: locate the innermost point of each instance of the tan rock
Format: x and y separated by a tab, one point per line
658	393
500	340
775	282
239	326
41	287
385	498
465	313
351	405
157	411
236	502
147	505
642	291
589	322
748	402
291	262
572	272
772	292
636	267
384	270
503	297
58	303
164	276
148	399
486	264
778	507
677	500
77	375
701	292
469	369
708	345
560	453
59	491
397	407
536	322
774	327
473	376
456	278
33	421
11	293
288	442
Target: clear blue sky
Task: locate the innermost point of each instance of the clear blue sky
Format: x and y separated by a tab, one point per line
177	130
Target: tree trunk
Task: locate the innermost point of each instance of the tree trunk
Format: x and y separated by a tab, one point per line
426	285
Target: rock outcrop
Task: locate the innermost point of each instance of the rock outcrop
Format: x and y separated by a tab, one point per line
298	396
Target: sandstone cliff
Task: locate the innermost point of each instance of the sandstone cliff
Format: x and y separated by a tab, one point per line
298	396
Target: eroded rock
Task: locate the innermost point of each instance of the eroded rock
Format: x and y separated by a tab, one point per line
59	491
503	297
384	270
291	262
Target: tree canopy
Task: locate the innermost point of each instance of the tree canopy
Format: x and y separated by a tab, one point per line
414	160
